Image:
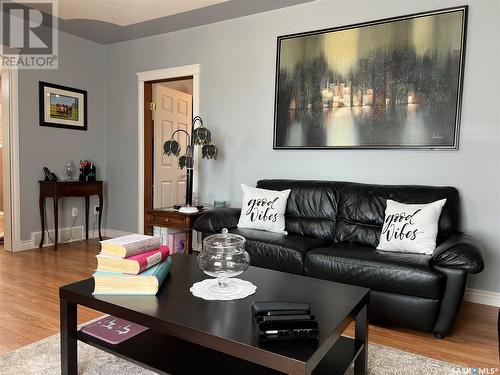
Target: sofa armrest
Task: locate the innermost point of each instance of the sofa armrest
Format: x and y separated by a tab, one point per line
215	221
459	251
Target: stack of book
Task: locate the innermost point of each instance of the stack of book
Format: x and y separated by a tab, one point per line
133	264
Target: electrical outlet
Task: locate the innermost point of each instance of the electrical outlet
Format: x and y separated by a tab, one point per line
74	211
96	209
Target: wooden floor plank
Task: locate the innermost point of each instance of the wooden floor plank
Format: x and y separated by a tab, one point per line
29	309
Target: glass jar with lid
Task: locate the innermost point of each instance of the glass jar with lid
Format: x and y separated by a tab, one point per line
223	256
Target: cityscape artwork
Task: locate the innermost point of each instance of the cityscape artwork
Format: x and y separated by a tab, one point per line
394	83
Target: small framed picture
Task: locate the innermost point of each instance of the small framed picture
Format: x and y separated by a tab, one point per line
62	107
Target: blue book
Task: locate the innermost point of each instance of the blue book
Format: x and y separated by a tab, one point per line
145	283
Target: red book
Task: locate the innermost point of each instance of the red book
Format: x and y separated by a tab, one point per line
134	264
113	330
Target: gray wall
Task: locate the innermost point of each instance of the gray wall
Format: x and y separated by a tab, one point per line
81	65
238	60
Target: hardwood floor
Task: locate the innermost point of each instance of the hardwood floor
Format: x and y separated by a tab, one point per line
29	309
29	290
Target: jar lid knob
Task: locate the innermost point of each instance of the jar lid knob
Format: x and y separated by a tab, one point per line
224	232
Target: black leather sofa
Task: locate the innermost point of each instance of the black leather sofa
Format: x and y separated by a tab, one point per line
333	230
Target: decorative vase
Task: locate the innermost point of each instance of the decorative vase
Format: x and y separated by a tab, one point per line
69	170
223	256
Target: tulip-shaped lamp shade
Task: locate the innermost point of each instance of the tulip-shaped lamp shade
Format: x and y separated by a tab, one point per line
201	135
186	160
171	147
209	152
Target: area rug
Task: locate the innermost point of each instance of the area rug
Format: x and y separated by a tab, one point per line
42	358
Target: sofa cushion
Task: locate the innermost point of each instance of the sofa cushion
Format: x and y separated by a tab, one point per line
263	209
311	208
278	251
361	209
403	273
410	228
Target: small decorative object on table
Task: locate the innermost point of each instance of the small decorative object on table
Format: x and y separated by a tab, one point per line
92	172
219	204
69	170
223	257
87	171
83	170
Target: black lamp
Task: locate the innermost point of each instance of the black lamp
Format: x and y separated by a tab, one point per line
201	136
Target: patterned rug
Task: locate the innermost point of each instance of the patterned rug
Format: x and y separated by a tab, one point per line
42	358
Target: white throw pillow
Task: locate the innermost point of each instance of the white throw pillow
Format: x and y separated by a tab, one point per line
263	209
410	228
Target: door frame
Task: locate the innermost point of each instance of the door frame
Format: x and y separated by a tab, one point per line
10	143
156	75
157	165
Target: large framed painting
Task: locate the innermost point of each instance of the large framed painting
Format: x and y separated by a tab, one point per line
392	83
62	107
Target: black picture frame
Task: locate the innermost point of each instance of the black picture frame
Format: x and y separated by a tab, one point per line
65	118
281	105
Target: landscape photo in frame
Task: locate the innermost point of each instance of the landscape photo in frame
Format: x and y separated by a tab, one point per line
62	106
393	83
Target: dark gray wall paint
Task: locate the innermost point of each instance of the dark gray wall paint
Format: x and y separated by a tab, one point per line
81	65
106	33
238	60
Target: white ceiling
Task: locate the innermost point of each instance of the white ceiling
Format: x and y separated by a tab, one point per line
127	12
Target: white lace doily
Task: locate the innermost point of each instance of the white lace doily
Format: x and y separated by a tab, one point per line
236	289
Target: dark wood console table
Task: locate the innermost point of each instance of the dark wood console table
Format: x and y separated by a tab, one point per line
171	218
59	189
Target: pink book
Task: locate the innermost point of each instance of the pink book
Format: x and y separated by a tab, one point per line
113	330
134	264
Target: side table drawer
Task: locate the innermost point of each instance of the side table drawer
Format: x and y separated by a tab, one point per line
76	190
168	221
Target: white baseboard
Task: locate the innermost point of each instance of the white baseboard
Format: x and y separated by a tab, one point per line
65	235
107	232
483	297
77	234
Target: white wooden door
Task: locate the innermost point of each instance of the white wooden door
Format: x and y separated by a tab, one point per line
173	111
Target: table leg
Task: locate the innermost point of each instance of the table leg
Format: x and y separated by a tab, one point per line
41	203
361	334
87	199
188	249
101	201
56	222
69	360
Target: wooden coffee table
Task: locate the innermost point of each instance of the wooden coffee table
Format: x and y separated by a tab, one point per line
189	335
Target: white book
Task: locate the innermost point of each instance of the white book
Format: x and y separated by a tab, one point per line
164	236
157	232
129	245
